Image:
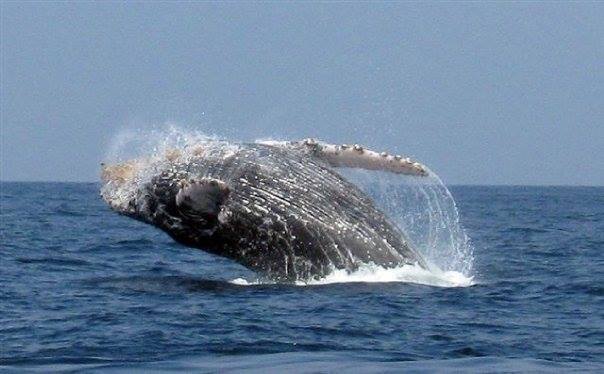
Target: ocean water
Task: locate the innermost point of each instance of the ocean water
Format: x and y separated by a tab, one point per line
84	289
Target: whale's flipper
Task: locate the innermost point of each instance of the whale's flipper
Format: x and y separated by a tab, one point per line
200	200
355	156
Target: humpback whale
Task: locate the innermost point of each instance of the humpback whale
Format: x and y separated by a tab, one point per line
278	208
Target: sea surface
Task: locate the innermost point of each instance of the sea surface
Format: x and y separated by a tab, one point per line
84	289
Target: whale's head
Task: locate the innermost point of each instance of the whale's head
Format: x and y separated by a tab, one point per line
126	182
170	190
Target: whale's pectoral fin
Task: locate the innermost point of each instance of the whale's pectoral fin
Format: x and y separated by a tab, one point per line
201	200
356	156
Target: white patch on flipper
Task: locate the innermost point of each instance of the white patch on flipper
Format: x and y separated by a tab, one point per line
359	157
355	156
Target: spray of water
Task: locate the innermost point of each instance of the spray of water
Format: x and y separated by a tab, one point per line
154	142
423	208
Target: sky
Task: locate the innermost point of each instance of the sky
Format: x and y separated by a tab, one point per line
483	93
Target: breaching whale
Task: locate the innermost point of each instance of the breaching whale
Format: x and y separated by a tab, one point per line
278	208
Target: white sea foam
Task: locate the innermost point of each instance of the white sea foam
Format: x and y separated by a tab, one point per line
371	273
247	282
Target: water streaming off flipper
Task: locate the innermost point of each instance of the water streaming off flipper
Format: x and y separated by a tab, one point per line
424	209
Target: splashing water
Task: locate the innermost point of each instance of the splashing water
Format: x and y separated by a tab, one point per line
423	208
371	273
131	143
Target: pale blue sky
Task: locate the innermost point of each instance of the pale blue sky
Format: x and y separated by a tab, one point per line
483	93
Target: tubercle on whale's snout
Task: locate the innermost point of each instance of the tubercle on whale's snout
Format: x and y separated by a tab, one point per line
118	172
118	186
127	170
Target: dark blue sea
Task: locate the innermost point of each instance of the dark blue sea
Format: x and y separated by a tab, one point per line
84	289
